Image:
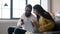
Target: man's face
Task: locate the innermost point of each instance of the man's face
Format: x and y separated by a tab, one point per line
28	10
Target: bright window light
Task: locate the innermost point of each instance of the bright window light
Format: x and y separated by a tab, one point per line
34	2
5	10
0	13
18	8
0	8
6	13
44	4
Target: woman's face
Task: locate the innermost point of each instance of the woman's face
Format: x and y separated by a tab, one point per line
35	12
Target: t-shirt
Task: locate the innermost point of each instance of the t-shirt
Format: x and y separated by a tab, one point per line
27	22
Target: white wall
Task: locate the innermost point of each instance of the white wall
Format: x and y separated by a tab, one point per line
56	5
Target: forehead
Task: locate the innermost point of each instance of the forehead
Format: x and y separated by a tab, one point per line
27	8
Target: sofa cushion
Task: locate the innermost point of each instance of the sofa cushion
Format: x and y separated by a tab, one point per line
57	27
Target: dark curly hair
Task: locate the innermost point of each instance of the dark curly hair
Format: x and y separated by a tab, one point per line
29	5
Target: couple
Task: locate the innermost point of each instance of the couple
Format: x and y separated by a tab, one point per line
28	22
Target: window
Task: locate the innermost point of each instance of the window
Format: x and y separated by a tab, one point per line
5	9
0	12
18	8
15	8
33	2
44	4
0	8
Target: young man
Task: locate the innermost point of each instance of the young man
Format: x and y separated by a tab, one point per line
24	22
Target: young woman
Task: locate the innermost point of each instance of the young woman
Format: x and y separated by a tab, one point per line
45	21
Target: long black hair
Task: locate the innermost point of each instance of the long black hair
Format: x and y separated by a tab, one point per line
42	12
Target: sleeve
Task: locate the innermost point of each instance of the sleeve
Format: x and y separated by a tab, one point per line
35	21
34	18
49	25
19	21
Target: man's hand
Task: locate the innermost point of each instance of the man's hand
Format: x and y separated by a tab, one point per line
22	21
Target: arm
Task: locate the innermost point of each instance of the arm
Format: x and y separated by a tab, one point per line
52	14
34	21
20	21
48	26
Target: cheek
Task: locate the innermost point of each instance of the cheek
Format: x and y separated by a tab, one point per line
35	12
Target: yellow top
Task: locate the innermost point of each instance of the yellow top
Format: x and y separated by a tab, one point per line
46	24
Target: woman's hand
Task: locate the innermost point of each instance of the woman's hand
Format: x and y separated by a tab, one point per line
41	29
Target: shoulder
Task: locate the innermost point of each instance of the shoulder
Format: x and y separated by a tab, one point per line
23	15
41	18
33	16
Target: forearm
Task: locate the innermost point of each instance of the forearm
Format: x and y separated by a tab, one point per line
48	26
